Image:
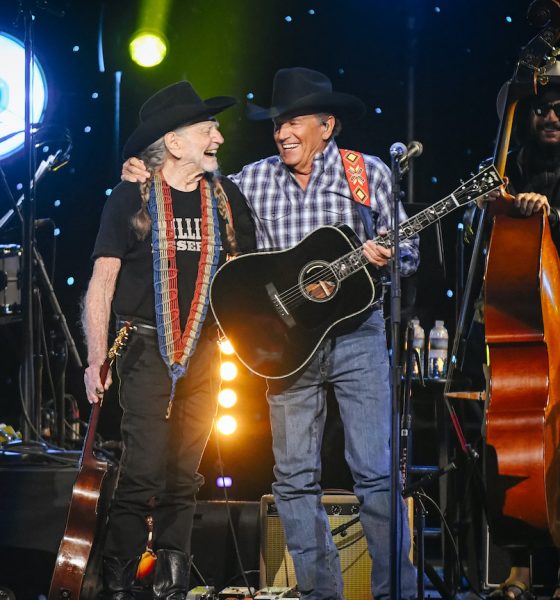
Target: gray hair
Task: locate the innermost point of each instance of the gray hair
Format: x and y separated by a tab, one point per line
153	158
337	123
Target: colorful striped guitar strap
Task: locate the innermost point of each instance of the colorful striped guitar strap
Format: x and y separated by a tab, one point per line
356	175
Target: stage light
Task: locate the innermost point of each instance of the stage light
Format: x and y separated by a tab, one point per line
228	370
12	94
227	398
224	482
226	425
226	346
147	48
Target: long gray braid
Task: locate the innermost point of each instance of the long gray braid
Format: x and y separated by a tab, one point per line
153	157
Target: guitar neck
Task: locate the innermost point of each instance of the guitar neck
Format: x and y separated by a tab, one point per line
482	183
417	223
87	452
349	263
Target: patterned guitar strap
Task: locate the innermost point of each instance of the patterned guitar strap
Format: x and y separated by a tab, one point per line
176	348
356	176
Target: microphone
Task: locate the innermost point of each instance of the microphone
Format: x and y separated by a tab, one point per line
398	149
413	149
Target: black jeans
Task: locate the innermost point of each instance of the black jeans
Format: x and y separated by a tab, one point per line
159	466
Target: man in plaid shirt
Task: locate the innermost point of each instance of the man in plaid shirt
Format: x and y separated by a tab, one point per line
290	195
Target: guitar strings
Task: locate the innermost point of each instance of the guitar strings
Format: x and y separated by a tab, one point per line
292	297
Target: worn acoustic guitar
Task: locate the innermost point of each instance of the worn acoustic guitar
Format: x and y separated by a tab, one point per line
73	575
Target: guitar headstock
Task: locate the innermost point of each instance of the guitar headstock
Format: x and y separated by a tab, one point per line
120	341
485	181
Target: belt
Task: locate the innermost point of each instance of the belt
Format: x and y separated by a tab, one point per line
143	328
209	331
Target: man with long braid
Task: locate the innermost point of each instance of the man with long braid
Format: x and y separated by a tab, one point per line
158	246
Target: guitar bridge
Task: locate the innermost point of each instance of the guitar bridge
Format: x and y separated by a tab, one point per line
279	306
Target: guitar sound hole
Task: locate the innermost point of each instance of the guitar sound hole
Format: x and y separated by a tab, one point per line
318	282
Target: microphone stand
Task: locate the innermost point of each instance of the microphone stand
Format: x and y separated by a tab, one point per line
396	374
31	426
44	278
32	360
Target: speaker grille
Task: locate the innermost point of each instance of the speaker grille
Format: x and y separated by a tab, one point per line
277	568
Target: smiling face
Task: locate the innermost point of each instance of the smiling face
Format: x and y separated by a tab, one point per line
299	139
195	146
545	123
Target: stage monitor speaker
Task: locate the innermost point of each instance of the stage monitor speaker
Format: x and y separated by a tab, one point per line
497	562
277	568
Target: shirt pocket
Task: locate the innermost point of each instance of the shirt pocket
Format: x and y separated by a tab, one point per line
274	213
336	205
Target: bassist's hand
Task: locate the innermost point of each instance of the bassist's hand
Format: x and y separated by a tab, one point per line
529	202
377	255
92	380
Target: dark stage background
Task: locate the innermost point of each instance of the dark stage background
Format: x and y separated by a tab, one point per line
460	52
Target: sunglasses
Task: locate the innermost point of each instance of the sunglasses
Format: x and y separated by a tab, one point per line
541	110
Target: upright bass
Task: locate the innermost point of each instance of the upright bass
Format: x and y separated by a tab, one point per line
522	322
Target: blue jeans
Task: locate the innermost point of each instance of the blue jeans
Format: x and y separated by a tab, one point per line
355	362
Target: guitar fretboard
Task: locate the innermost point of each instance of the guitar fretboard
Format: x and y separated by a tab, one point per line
482	183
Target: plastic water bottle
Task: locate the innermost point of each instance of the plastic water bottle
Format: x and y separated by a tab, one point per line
438	342
418	344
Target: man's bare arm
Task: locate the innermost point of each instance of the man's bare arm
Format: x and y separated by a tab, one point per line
95	320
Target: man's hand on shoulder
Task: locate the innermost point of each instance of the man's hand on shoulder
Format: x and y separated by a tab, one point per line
134	171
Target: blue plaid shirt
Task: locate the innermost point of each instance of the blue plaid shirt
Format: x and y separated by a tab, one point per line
284	213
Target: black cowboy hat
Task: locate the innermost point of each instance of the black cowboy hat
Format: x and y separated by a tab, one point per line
175	105
301	91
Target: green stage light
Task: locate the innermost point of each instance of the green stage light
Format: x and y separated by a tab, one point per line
148	49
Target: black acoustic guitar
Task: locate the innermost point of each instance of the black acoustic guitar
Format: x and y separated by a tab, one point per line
276	307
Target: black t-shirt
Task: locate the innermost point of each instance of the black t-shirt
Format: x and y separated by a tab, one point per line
134	294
